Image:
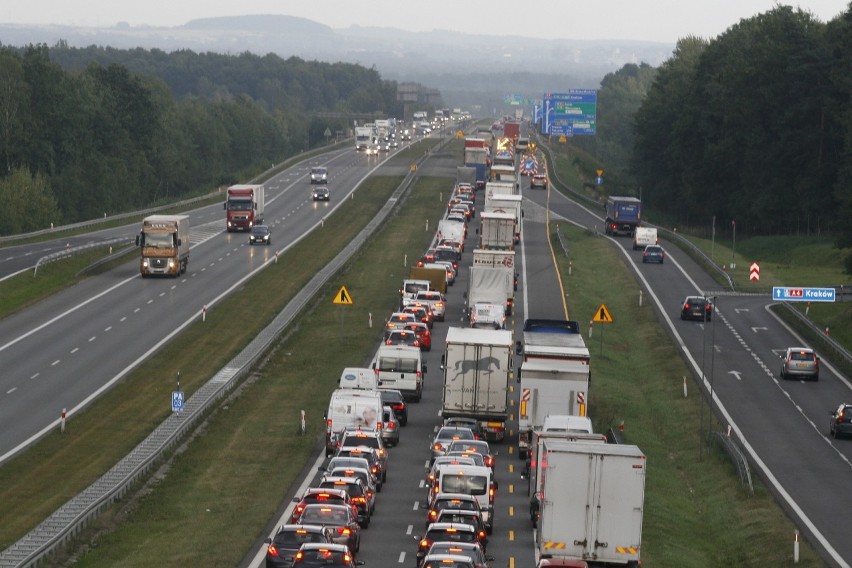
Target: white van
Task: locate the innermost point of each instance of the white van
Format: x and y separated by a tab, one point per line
358	378
475	480
410	287
350	407
400	367
644	236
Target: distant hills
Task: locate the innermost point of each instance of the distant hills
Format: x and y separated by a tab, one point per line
482	65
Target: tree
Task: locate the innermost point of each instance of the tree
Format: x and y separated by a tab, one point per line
28	204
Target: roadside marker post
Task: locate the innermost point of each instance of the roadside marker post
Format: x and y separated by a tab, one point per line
62	420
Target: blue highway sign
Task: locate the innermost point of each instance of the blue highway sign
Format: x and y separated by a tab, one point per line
177	401
788	294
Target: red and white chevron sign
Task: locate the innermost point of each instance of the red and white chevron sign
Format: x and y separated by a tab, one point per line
754	271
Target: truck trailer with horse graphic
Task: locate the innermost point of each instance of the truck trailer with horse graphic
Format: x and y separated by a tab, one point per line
477	367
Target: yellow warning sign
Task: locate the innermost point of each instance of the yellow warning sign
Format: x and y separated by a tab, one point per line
602	315
563	139
459	135
342	297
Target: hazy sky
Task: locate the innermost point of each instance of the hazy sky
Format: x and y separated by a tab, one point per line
656	20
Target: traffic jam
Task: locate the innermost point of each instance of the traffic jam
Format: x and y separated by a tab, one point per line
487	379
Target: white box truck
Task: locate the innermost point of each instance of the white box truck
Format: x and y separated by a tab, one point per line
477	366
493	258
497	230
503	203
592	502
491	285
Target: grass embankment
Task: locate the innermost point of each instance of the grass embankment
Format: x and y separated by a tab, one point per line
696	513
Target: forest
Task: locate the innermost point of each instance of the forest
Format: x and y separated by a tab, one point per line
95	131
753	127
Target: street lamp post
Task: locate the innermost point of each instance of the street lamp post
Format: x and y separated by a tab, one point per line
734	245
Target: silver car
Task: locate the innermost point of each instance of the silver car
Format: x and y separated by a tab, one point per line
799	362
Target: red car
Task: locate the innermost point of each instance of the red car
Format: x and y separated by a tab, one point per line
424	336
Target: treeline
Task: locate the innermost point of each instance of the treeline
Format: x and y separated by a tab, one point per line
752	127
88	132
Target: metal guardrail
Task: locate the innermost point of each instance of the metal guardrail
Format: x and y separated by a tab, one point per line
71	251
737	457
68	520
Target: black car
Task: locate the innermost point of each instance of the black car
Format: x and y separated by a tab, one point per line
281	549
327	556
321	194
696	308
841	421
396	401
260	235
653	253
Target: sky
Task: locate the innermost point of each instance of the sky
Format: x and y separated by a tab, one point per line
652	20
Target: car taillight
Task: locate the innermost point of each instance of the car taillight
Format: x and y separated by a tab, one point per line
359	500
481	535
433	515
271	550
398	406
299	556
328	427
491	494
437	447
343	530
489	461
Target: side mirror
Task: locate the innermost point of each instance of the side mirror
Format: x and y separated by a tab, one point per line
225	205
138	239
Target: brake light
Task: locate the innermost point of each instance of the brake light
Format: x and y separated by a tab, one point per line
398	406
271	550
491	494
343	530
481	535
433	515
299	556
424	543
328	427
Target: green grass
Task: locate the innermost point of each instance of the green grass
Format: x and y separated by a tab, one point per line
695	509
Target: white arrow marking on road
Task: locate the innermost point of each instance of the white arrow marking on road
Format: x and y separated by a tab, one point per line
739	310
754	329
736	374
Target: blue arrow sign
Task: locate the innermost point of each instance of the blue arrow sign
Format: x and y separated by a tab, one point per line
788	294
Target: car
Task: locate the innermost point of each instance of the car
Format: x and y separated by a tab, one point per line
696	307
321	194
653	253
355	436
478	446
363	499
260	234
538	180
471	550
447	253
460	210
317	495
464	422
422	312
456	216
327	556
456	501
424	336
390	427
354	462
395	399
363	473
446	561
281	549
436	301
343	521
841	421
402	337
397	320
445	532
445	436
369	454
319	174
799	362
475	457
465	516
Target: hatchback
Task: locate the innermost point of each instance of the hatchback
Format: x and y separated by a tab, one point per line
653	253
446	561
328	556
390	427
321	194
479	446
424	336
841	421
397	320
363	499
402	337
445	436
341	519
538	180
697	308
281	549
395	399
471	550
316	495
422	312
445	532
799	362
437	302
465	516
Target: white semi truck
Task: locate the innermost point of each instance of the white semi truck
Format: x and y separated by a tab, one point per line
477	367
592	502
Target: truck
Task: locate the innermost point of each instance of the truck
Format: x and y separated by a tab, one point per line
363	138
505	203
450	230
244	207
437	277
494	285
592	502
644	236
164	240
466	174
504	173
350	407
623	215
554	375
483	257
508	186
477	366
477	157
497	230
512	129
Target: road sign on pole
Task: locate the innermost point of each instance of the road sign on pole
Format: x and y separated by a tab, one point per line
343	297
177	401
602	315
754	271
